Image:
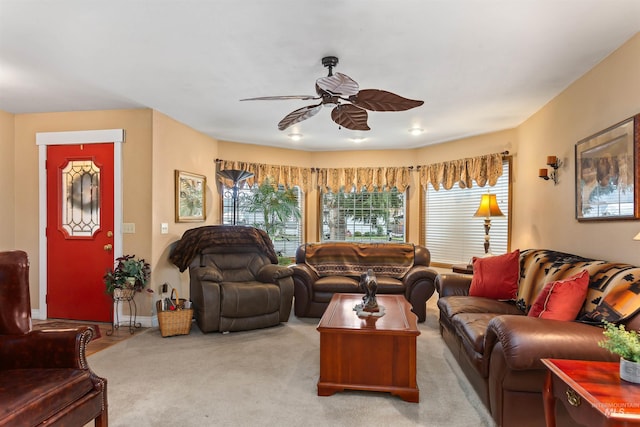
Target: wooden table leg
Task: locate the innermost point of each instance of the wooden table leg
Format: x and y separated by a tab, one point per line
549	401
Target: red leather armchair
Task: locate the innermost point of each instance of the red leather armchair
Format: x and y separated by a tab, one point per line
44	375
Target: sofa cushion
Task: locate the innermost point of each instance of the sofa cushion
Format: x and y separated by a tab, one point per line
496	276
456	304
31	396
389	285
561	299
472	327
337	284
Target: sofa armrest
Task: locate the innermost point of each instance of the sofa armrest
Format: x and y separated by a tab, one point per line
303	279
208	273
453	284
525	340
43	349
304	274
419	286
418	273
271	273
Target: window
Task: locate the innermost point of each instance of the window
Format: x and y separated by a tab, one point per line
453	234
363	216
274	209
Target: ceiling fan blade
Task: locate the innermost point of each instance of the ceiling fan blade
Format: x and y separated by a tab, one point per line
350	117
278	98
299	115
338	84
381	100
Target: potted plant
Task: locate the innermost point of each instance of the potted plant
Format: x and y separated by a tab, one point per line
626	344
129	274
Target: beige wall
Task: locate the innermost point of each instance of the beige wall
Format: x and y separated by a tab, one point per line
7	181
544	214
176	146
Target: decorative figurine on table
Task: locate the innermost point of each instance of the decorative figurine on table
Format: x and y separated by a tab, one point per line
369	306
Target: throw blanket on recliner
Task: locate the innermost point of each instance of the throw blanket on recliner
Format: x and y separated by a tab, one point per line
353	259
195	240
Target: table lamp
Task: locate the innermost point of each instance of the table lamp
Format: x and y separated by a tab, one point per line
488	208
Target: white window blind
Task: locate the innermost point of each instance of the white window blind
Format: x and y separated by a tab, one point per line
376	216
453	235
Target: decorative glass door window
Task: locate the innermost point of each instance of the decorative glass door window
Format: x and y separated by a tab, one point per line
80	198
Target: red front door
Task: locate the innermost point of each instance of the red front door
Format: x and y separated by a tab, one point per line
79	230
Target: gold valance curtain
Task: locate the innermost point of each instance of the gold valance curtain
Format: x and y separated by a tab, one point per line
330	179
481	169
288	176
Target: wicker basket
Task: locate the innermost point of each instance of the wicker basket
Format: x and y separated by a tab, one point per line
174	322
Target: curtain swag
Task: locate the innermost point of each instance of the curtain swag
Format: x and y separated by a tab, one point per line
288	176
482	169
333	180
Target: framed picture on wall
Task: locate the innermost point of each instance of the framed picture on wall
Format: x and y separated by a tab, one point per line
191	192
607	186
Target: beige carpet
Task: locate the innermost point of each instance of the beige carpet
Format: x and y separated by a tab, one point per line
268	377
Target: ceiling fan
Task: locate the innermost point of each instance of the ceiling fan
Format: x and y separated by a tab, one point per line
350	104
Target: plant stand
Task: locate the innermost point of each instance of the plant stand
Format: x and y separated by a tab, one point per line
122	296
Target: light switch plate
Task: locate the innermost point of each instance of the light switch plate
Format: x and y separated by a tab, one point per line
164	228
128	227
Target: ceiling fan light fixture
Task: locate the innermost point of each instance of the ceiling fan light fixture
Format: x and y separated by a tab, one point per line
295	136
358	139
415	131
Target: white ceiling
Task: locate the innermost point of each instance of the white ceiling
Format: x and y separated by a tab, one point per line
479	65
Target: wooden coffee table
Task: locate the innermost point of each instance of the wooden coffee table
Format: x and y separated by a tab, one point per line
372	354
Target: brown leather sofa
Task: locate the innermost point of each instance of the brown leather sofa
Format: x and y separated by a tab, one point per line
235	282
44	375
499	348
323	269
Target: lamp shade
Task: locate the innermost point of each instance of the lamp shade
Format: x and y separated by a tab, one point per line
636	237
488	206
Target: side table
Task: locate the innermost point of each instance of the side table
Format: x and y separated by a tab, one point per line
462	268
592	393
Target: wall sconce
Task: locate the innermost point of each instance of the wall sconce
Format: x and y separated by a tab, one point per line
555	163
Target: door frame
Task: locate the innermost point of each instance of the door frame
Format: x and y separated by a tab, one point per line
115	136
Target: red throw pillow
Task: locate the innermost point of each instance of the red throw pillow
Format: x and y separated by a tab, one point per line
562	299
496	276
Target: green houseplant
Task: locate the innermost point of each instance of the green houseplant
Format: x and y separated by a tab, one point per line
128	273
626	344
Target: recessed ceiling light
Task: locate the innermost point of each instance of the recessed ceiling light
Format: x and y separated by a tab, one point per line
416	131
295	136
358	139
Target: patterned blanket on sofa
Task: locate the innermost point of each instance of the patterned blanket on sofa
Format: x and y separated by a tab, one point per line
614	288
353	259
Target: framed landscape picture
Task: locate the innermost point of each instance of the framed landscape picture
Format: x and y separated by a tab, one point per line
607	186
190	197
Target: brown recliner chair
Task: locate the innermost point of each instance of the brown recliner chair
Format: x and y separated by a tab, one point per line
44	375
235	282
